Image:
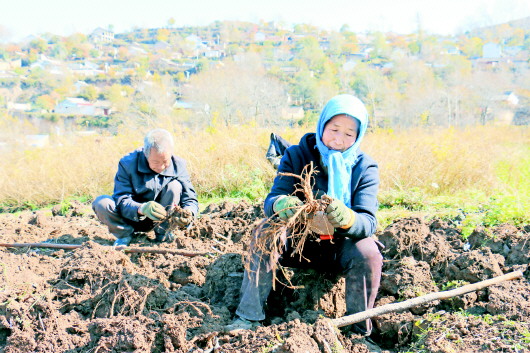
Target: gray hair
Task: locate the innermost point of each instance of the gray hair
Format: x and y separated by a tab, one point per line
159	139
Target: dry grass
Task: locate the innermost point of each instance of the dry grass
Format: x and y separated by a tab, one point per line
73	166
230	162
220	161
452	166
442	161
224	160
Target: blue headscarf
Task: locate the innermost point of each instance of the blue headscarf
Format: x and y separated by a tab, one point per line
340	164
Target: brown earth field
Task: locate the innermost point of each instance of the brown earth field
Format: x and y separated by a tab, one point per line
98	299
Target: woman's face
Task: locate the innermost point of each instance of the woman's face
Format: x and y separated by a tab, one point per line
340	133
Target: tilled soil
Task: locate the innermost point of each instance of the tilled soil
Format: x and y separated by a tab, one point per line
98	299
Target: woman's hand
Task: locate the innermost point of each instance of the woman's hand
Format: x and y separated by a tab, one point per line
285	206
339	215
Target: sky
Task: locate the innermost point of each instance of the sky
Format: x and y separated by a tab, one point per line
20	18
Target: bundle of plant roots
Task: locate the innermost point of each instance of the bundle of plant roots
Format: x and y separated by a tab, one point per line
272	234
174	214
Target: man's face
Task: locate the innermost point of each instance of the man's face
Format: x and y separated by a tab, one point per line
158	161
340	133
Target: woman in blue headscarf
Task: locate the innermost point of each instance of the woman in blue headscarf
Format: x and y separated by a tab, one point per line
351	179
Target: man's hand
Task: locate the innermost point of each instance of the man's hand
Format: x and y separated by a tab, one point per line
184	219
153	210
339	215
285	206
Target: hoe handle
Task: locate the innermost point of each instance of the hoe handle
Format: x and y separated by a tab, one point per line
407	304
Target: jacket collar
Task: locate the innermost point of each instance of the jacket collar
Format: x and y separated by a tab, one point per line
143	166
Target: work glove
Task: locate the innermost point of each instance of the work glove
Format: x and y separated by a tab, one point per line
153	210
184	219
340	215
285	206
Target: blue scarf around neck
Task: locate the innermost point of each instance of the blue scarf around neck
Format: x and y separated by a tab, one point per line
339	164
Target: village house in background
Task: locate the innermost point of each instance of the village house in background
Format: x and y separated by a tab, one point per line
267	73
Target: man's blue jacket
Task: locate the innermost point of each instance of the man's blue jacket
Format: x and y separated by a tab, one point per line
135	183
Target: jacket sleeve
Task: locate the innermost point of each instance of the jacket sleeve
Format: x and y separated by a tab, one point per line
123	192
365	205
188	199
283	185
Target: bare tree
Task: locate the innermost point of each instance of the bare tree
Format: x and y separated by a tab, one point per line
153	101
236	92
486	88
368	85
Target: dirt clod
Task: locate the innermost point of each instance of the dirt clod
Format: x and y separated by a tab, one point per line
98	299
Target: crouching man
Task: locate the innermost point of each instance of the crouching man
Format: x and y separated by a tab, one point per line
149	181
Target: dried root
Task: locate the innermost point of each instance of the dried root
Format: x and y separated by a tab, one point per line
271	235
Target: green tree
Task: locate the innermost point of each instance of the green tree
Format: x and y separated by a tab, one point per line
336	44
304	89
304	28
90	93
414	47
94	53
120	96
351	42
180	76
308	50
45	102
472	47
35	78
162	35
59	51
368	84
517	38
39	45
76	45
231	33
381	47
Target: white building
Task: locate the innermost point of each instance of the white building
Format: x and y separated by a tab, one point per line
101	36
